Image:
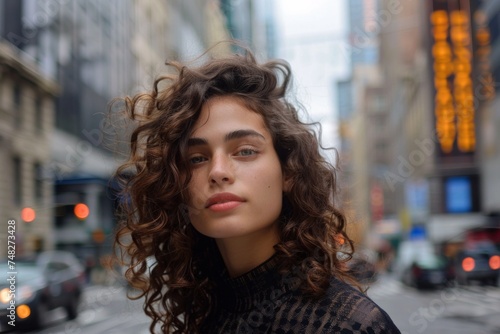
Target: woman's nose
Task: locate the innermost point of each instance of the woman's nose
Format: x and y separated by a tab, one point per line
221	170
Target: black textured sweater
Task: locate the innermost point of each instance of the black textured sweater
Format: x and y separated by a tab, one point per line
263	301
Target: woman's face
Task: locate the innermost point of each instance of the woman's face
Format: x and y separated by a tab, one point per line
237	183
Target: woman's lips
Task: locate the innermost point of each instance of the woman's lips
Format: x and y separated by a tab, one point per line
223	202
219	207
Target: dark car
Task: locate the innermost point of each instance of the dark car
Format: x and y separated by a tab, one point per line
54	279
419	265
427	271
478	261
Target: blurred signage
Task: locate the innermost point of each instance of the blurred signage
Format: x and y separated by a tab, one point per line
458	194
452	63
387	227
417	200
417	232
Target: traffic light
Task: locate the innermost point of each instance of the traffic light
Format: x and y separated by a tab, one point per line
81	211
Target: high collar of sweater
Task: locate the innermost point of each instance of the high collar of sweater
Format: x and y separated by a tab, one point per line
242	293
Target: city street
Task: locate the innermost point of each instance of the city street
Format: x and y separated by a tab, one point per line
104	309
455	309
138	132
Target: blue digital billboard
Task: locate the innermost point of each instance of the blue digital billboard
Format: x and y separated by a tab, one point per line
458	194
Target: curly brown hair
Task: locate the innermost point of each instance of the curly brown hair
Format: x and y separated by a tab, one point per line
177	289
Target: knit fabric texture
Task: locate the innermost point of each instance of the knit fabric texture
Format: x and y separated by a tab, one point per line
264	301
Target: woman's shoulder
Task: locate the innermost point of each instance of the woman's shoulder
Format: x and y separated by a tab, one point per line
354	310
341	308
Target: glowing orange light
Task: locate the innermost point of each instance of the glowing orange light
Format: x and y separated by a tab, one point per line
5	295
494	262
483	36
81	211
28	215
98	236
459	17
441	50
468	264
439	17
486	87
339	239
23	311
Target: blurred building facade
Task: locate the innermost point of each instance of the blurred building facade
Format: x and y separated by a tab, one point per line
362	114
427	129
253	22
488	18
404	64
94	51
27	100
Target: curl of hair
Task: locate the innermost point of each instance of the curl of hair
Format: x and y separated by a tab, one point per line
177	289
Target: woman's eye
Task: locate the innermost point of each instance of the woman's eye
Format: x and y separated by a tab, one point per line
246	152
196	160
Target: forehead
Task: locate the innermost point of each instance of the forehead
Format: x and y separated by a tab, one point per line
225	114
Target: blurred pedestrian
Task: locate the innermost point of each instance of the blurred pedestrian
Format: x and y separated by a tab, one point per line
231	197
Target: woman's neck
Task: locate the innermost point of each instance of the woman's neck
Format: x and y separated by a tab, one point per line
243	254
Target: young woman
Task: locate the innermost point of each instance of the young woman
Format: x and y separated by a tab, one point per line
231	198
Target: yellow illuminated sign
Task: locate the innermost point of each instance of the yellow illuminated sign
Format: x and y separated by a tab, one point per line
454	99
442	54
463	88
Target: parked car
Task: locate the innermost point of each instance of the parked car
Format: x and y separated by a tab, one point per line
54	279
420	266
478	261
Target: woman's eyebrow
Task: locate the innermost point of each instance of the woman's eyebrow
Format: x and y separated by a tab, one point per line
195	141
237	134
243	133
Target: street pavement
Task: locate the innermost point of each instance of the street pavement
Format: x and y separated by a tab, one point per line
453	309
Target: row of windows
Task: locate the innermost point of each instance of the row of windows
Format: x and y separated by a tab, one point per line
37	180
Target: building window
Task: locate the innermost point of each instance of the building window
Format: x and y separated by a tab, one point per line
39	115
16	98
38	181
17	176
